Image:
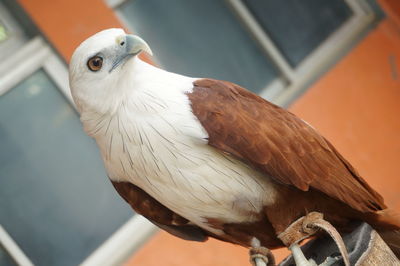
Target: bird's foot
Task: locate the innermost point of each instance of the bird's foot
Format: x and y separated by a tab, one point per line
330	261
301	260
305	227
260	256
299	257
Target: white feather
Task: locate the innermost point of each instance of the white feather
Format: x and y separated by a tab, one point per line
149	136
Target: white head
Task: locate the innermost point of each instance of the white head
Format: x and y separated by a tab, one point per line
99	66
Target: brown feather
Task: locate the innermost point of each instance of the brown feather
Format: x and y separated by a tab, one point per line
277	143
157	213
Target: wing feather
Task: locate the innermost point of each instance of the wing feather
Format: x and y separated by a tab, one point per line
158	214
277	143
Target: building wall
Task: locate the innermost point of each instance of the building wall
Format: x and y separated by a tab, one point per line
67	23
355	105
392	7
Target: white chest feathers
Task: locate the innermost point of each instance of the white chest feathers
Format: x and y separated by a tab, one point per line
155	142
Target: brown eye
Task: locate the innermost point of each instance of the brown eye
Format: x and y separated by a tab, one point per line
95	63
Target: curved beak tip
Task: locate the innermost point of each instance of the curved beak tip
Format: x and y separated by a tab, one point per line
148	50
135	45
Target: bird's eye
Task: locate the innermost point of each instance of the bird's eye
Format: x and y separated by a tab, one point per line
95	63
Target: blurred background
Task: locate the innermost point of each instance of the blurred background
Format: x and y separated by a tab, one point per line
333	63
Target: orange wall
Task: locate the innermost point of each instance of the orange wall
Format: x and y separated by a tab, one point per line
393	6
355	105
66	23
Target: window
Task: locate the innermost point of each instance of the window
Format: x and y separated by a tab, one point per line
299	27
180	35
57	204
274	48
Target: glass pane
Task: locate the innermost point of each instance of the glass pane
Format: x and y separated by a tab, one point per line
200	39
298	27
5	259
55	199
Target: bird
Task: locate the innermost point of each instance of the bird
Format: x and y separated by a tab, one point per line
204	158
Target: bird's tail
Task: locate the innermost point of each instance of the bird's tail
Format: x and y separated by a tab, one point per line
387	224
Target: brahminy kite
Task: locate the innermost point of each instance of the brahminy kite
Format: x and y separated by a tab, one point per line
207	158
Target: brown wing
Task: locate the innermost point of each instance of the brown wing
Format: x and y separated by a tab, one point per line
277	143
157	213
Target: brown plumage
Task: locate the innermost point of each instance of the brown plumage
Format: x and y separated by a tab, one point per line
277	143
157	213
313	176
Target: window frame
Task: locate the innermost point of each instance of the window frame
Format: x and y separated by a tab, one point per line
319	60
295	80
36	54
12	249
16	35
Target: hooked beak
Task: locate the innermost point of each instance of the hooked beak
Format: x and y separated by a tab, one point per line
135	45
131	45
